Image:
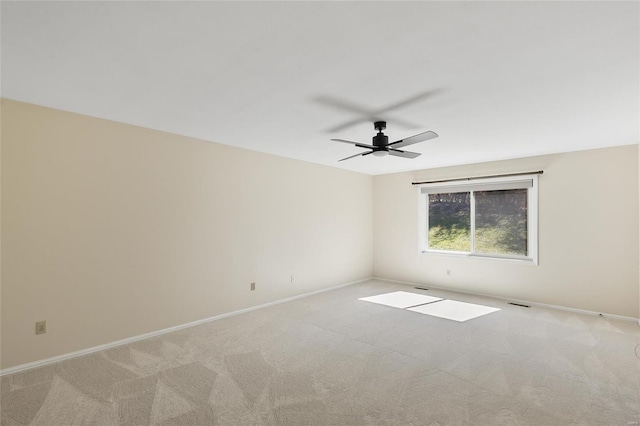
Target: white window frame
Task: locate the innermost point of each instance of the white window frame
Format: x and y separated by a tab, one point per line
530	182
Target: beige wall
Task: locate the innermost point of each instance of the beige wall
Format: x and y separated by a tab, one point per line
111	230
588	234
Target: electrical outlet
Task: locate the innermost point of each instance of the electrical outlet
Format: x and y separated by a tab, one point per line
41	327
293	278
253	286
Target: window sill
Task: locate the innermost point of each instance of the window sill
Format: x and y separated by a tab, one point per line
516	260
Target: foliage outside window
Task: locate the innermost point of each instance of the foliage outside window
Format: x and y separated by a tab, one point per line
492	217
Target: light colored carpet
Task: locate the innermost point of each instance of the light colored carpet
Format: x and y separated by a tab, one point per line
332	359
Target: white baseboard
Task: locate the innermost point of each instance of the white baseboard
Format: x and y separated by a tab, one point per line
36	364
523	302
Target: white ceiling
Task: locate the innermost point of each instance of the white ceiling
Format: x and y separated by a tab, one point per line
505	79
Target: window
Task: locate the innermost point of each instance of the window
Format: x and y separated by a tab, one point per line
485	217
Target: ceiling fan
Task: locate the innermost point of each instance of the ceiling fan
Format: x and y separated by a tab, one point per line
382	147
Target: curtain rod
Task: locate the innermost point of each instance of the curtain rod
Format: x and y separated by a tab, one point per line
539	172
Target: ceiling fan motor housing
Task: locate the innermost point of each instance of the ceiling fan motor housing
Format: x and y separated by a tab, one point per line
380	140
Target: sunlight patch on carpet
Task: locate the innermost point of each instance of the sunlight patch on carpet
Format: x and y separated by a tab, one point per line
401	299
454	310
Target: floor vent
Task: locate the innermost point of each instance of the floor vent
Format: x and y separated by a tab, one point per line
421	288
519	304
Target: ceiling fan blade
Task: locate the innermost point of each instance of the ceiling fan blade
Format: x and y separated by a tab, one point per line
344	105
368	114
403	154
358	155
358	144
411	100
350	123
413	139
